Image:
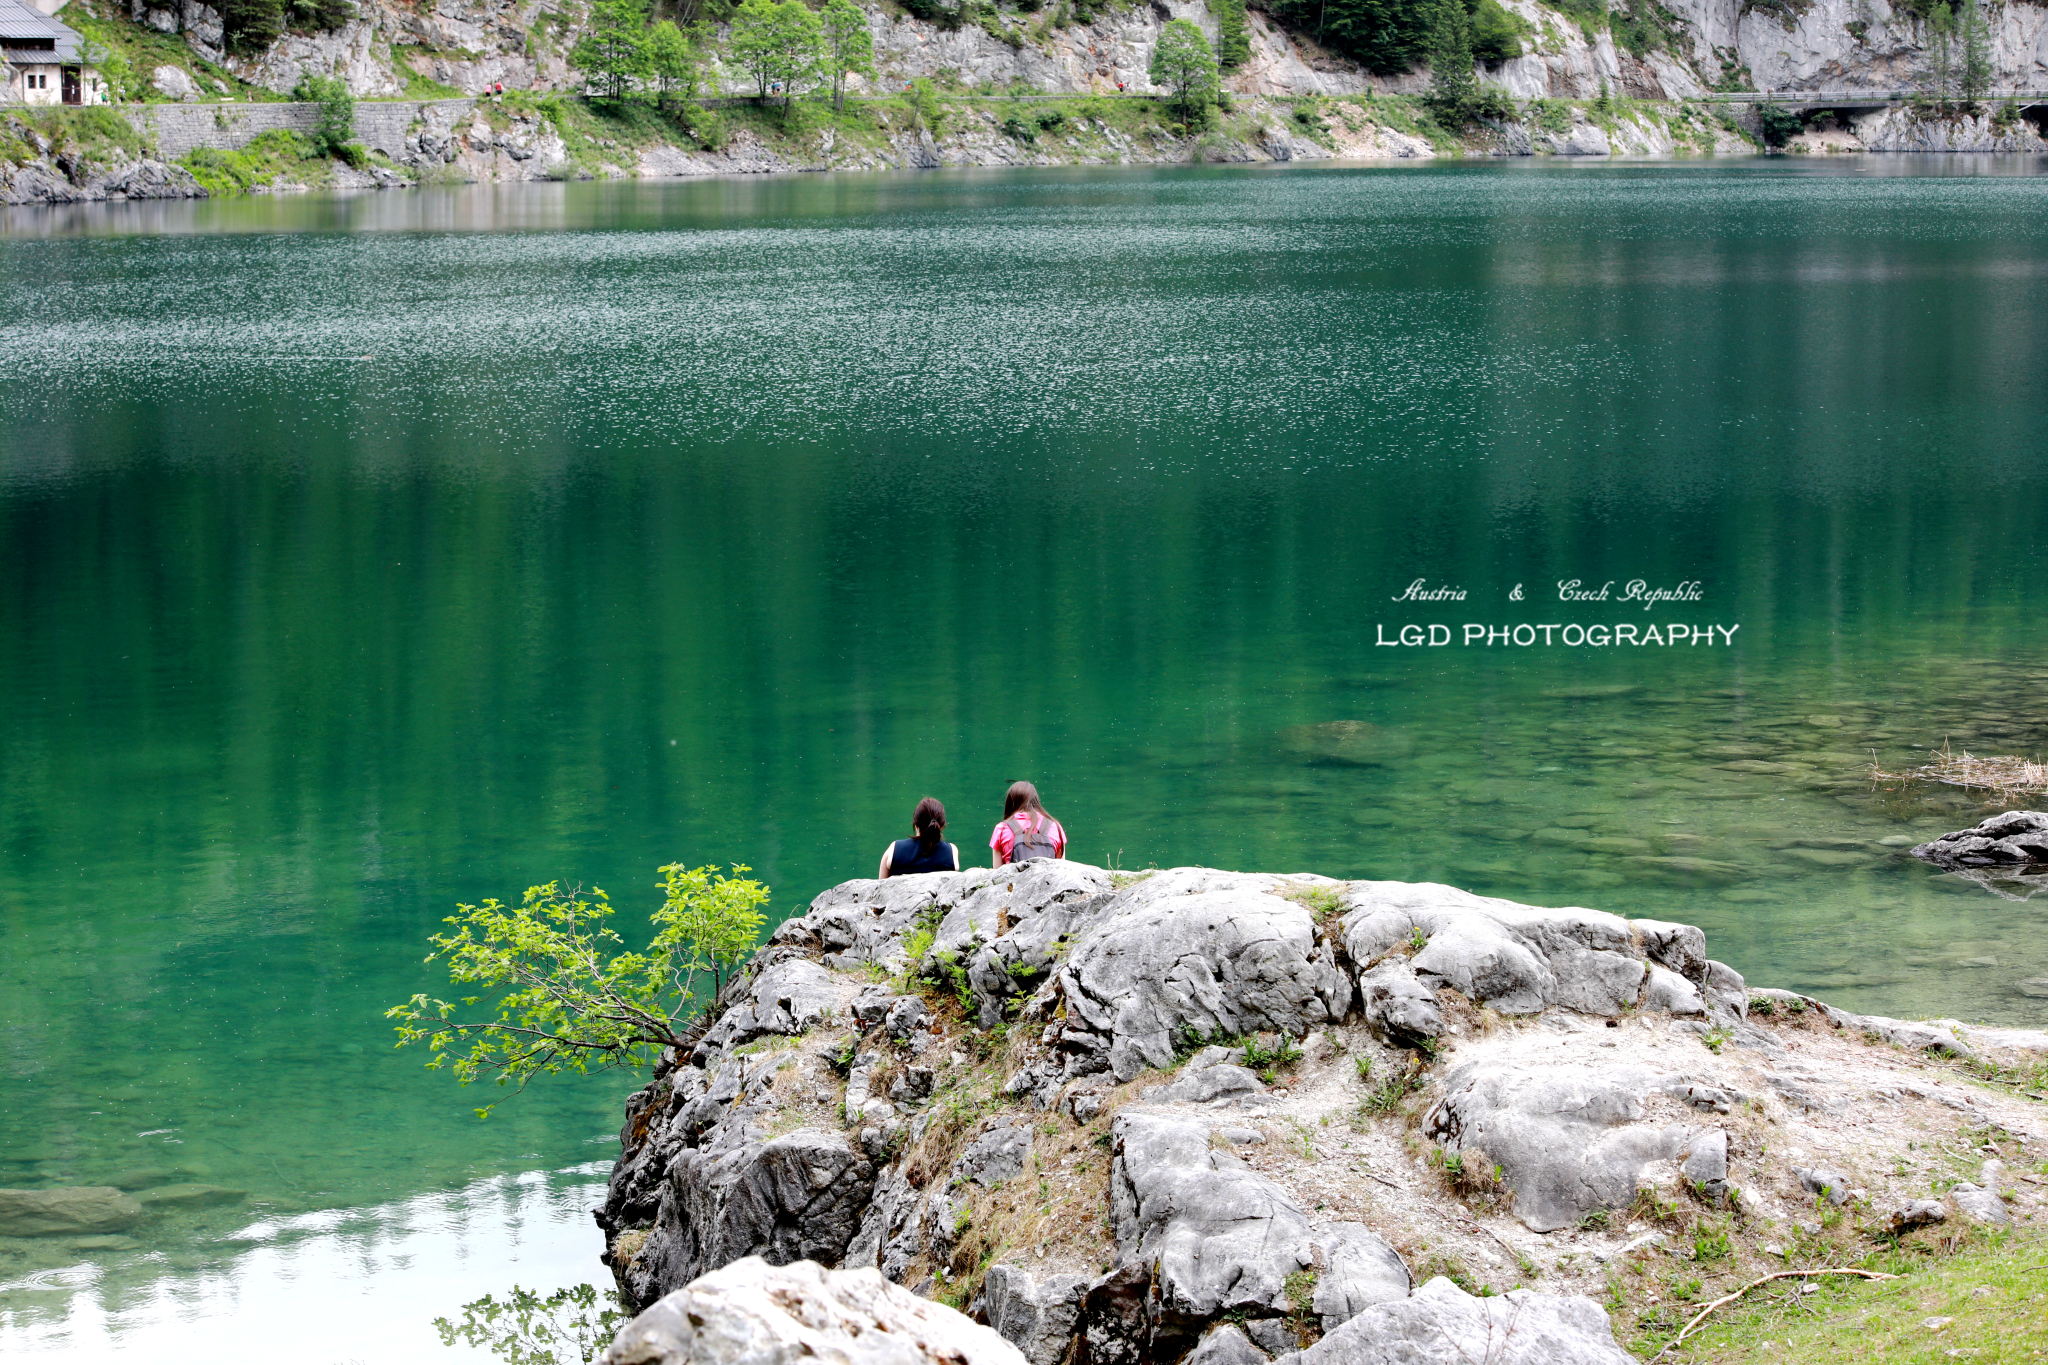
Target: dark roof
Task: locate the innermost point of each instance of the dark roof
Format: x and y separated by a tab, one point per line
34	36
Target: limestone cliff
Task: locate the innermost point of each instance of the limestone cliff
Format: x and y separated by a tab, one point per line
1121	1116
1792	46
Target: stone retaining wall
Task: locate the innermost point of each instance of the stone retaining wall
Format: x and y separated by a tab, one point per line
380	125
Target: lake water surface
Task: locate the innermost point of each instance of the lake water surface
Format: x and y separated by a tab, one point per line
363	556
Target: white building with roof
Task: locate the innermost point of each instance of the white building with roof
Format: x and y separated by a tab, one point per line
43	61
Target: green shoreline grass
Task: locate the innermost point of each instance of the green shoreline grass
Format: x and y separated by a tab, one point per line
1988	1300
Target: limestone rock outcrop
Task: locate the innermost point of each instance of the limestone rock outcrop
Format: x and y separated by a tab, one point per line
1441	1322
754	1313
1190	953
1130	1118
1570	1139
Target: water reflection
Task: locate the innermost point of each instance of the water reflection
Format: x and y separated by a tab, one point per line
544	206
726	528
329	1288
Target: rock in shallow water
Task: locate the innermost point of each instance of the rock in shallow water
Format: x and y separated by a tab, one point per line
752	1313
1355	743
2013	838
189	1197
49	1213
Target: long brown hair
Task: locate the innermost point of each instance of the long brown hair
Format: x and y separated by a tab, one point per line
1023	796
930	822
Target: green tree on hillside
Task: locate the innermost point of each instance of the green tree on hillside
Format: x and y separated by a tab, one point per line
1233	38
1941	61
1387	37
924	102
612	54
778	44
849	47
1497	32
673	61
1451	86
1974	70
1183	63
104	57
545	988
251	25
1776	124
337	121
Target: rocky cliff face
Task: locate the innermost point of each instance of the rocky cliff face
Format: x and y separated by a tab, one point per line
1129	1116
1819	45
47	169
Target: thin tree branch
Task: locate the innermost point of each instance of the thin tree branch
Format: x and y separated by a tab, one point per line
1726	1299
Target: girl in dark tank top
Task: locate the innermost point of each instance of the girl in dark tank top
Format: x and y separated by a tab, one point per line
925	853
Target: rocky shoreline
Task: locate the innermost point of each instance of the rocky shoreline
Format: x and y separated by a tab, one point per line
1131	1115
525	148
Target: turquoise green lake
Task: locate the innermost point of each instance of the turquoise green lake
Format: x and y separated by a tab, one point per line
363	556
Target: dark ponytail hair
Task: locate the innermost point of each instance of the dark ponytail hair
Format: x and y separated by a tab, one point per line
929	822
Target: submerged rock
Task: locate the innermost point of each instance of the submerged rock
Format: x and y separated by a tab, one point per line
754	1313
75	1209
189	1197
1354	743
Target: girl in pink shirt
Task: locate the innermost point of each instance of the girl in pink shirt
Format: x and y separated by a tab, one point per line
1027	830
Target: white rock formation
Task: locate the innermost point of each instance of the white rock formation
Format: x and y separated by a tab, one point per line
754	1313
1406	1065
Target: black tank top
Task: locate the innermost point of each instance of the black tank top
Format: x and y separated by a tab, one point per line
906	861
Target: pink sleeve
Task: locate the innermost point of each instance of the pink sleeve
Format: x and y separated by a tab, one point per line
1059	839
1002	840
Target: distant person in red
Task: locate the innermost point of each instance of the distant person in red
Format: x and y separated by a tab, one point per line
926	852
1028	830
